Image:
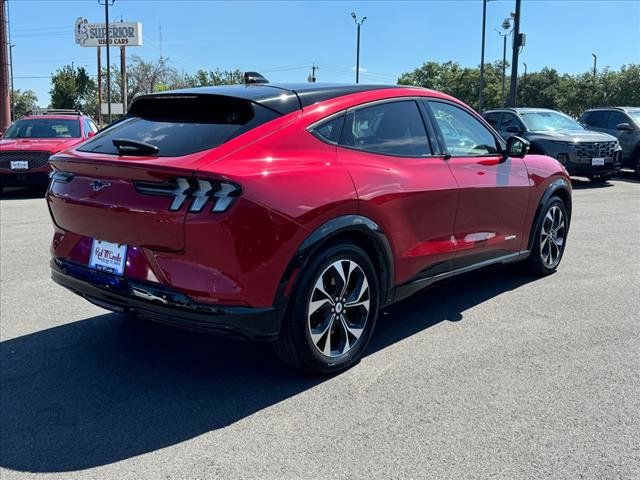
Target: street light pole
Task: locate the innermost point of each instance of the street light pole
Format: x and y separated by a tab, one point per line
518	41
595	62
506	26
504	65
359	24
484	26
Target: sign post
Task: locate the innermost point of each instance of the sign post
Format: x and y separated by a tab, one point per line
121	34
99	85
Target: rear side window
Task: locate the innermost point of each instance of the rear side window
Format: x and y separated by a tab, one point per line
183	124
330	130
392	128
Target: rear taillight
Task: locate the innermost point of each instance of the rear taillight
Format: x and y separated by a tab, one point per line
221	193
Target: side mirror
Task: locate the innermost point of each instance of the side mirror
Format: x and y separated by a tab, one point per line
512	129
517	147
91	134
624	126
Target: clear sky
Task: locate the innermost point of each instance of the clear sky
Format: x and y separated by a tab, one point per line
282	39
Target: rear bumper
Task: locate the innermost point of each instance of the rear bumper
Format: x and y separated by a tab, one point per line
24	179
164	305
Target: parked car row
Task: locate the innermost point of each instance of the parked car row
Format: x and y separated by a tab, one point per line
25	147
596	146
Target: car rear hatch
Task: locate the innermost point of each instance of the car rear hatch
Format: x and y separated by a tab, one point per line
133	183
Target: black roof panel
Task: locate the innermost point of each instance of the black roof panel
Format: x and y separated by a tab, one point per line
281	97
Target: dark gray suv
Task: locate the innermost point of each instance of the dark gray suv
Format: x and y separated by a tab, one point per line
583	152
624	124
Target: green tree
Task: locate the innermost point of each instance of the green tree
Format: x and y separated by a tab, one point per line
546	88
462	83
71	88
204	78
23	102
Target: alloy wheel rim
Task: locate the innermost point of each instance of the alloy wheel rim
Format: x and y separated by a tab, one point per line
338	308
552	237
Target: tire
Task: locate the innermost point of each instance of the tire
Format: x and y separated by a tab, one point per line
320	334
637	164
549	238
600	178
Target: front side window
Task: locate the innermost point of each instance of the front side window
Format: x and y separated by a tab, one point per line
597	119
43	128
635	115
463	134
89	126
549	121
510	123
616	118
493	119
391	128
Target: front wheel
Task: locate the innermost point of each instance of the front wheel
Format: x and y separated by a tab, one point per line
333	313
550	238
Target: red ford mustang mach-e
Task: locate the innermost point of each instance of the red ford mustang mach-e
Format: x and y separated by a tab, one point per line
292	213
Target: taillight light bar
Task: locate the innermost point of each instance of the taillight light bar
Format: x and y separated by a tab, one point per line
201	191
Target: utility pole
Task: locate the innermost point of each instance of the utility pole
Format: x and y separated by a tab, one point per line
107	3
13	92
595	63
312	77
12	95
517	43
5	97
359	24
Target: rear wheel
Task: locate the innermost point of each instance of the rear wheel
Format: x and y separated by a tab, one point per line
333	313
550	238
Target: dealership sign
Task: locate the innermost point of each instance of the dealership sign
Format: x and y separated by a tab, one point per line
121	34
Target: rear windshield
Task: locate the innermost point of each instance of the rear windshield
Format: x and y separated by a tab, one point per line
43	128
180	125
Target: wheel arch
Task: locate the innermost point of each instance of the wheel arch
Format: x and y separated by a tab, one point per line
559	187
356	229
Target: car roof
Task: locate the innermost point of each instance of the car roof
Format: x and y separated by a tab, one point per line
48	117
281	97
520	110
624	109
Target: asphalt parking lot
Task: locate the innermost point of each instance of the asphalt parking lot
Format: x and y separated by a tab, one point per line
493	375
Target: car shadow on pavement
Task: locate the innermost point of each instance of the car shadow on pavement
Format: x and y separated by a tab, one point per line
10	193
627	176
583	184
107	388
